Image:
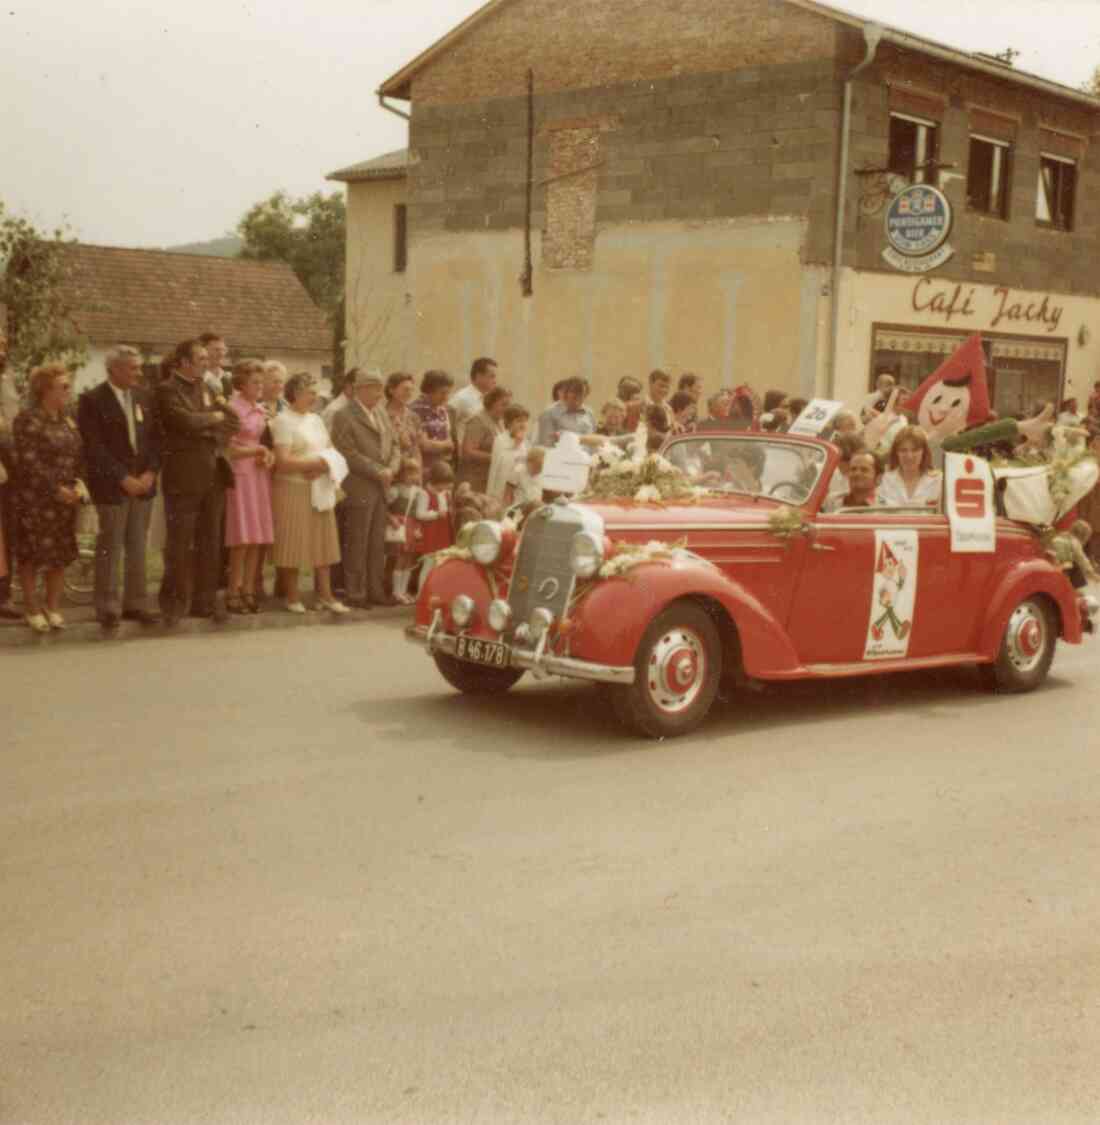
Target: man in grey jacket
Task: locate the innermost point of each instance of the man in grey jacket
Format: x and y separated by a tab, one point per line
362	433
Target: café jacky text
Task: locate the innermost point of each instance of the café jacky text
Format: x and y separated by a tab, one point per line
999	307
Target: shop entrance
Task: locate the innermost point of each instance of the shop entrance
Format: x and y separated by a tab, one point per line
1024	372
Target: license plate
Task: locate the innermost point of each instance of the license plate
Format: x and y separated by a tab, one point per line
491	653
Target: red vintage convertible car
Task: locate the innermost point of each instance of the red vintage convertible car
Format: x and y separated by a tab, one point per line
746	579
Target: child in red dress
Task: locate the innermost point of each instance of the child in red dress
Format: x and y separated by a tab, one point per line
432	515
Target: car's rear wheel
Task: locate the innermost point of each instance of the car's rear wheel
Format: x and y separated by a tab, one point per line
677	669
1027	649
472	679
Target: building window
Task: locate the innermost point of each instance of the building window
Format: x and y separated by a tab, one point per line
1057	190
987	177
400	238
914	148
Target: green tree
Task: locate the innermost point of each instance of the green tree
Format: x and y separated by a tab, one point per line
1092	86
33	290
309	234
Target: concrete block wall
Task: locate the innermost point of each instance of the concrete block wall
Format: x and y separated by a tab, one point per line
589	44
1026	255
756	141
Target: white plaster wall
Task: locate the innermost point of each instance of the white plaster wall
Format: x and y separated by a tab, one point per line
727	299
876	298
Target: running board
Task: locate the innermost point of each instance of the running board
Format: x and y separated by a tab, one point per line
876	667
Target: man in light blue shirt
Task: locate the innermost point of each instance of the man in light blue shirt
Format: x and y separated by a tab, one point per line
569	413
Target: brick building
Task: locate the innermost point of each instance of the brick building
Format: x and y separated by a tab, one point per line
684	202
152	299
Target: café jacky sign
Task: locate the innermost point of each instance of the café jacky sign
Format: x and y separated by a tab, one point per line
1000	307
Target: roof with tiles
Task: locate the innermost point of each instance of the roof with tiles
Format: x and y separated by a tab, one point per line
388	166
158	297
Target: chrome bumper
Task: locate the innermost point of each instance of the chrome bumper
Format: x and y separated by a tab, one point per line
532	660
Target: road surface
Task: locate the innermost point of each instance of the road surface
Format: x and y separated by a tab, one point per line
291	877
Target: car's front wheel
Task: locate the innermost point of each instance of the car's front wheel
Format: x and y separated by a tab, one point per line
472	679
677	670
1027	649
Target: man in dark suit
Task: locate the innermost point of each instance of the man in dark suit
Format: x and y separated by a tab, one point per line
192	426
123	455
362	433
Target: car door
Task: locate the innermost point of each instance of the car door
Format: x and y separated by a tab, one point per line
831	606
885	585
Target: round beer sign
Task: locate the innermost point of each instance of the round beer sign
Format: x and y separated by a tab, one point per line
918	220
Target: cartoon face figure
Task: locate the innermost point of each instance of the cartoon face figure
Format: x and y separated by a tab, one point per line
944	409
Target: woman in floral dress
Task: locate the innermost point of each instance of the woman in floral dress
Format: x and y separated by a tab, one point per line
49	460
400	389
436	434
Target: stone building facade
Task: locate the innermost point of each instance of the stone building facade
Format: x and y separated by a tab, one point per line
684	196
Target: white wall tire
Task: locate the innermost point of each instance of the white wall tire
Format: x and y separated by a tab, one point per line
678	667
1027	649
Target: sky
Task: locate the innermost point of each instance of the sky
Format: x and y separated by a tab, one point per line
155	122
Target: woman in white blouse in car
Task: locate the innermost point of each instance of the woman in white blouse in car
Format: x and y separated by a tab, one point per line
911	480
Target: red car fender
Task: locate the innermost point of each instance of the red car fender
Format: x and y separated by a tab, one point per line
609	621
445	582
1024	579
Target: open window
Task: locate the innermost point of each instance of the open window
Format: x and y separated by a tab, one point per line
987	181
914	148
1057	191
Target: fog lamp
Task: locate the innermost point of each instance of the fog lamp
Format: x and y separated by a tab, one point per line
462	610
500	615
541	620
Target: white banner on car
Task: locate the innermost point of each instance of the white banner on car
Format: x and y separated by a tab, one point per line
566	466
816	417
893	595
971	512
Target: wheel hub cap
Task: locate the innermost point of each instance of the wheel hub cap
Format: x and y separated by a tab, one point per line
677	670
1026	637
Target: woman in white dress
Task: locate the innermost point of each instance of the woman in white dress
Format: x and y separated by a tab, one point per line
304	537
910	480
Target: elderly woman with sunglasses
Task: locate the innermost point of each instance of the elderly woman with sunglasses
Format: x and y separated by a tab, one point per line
49	462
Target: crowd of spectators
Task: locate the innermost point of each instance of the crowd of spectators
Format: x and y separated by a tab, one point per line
228	470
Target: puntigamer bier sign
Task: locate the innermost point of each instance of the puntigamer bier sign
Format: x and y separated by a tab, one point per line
918	222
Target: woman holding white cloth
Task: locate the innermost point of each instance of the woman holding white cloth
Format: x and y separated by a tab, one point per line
304	536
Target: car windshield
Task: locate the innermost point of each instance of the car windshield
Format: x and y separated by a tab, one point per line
781	470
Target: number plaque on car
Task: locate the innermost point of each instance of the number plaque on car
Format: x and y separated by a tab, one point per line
491	653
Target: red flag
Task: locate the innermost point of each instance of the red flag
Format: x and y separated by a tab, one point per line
956	395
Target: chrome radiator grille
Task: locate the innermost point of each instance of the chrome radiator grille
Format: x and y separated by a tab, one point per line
542	575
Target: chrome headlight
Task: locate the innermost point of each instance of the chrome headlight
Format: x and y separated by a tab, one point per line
500	615
541	620
586	554
462	610
485	542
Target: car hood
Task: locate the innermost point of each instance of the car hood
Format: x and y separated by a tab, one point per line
713	512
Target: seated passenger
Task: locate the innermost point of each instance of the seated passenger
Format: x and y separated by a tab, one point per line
911	478
743	467
863	478
849	445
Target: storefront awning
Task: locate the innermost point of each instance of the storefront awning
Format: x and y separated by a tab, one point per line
935	343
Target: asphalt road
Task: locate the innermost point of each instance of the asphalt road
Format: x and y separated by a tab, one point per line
290	877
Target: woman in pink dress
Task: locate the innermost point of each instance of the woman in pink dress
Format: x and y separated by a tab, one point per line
248	522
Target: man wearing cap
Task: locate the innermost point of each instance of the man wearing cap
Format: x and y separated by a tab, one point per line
362	433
